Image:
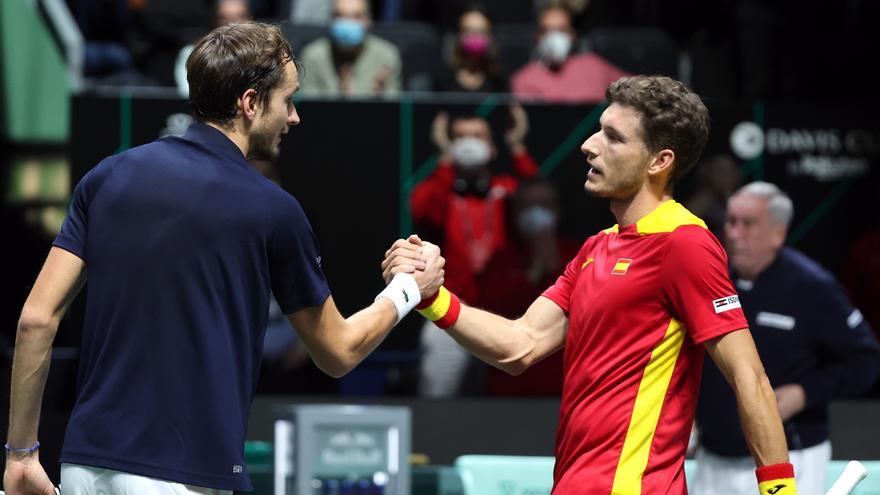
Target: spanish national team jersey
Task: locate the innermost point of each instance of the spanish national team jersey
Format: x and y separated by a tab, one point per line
640	300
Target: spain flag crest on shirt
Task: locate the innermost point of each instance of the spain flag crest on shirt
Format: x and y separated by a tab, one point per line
621	266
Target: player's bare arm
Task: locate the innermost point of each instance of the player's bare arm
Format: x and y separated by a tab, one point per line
59	281
509	345
738	360
337	344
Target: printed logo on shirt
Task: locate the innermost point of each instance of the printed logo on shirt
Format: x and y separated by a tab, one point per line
854	319
775	320
621	266
726	304
589	260
318	260
237	469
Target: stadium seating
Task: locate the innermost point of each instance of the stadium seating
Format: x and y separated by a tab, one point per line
419	46
516	45
300	35
637	50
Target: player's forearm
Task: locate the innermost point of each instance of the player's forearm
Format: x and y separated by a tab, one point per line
760	417
340	346
30	368
500	342
367	329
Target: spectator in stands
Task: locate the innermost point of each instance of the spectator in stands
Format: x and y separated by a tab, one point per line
474	65
814	345
519	272
463	202
351	62
560	75
226	12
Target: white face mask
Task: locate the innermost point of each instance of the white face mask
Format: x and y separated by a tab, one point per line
536	219
470	152
554	47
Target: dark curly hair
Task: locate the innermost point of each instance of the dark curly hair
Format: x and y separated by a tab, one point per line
230	60
673	117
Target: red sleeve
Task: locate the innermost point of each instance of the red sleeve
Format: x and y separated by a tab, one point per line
525	165
560	292
430	198
697	286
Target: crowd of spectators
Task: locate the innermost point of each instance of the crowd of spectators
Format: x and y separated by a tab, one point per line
341	54
533	48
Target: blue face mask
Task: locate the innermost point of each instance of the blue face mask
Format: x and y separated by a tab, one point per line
346	32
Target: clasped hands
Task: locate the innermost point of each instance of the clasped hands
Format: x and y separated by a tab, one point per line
419	258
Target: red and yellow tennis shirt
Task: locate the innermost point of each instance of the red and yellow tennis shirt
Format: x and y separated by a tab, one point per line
640	301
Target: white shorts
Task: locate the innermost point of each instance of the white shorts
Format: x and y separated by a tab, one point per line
87	480
716	475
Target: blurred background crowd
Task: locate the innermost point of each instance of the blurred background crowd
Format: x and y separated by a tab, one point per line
726	49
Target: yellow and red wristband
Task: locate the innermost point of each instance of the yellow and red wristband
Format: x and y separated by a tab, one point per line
442	308
777	479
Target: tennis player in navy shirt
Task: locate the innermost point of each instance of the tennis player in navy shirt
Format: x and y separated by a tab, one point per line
182	241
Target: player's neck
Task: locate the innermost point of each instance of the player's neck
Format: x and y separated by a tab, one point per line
234	135
631	210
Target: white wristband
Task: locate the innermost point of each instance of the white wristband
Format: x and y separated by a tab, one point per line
403	291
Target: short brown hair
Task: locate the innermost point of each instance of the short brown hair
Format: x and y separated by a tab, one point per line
673	117
228	61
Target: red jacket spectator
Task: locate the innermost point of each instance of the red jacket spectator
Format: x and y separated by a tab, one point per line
473	225
519	273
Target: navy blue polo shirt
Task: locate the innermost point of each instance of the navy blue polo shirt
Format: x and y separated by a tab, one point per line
182	240
806	332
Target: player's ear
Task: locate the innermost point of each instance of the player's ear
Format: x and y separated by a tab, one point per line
248	103
662	163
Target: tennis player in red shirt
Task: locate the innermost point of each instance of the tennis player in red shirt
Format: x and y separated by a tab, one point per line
634	310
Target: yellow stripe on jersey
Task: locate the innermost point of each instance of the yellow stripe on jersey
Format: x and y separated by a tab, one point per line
646	412
667	217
